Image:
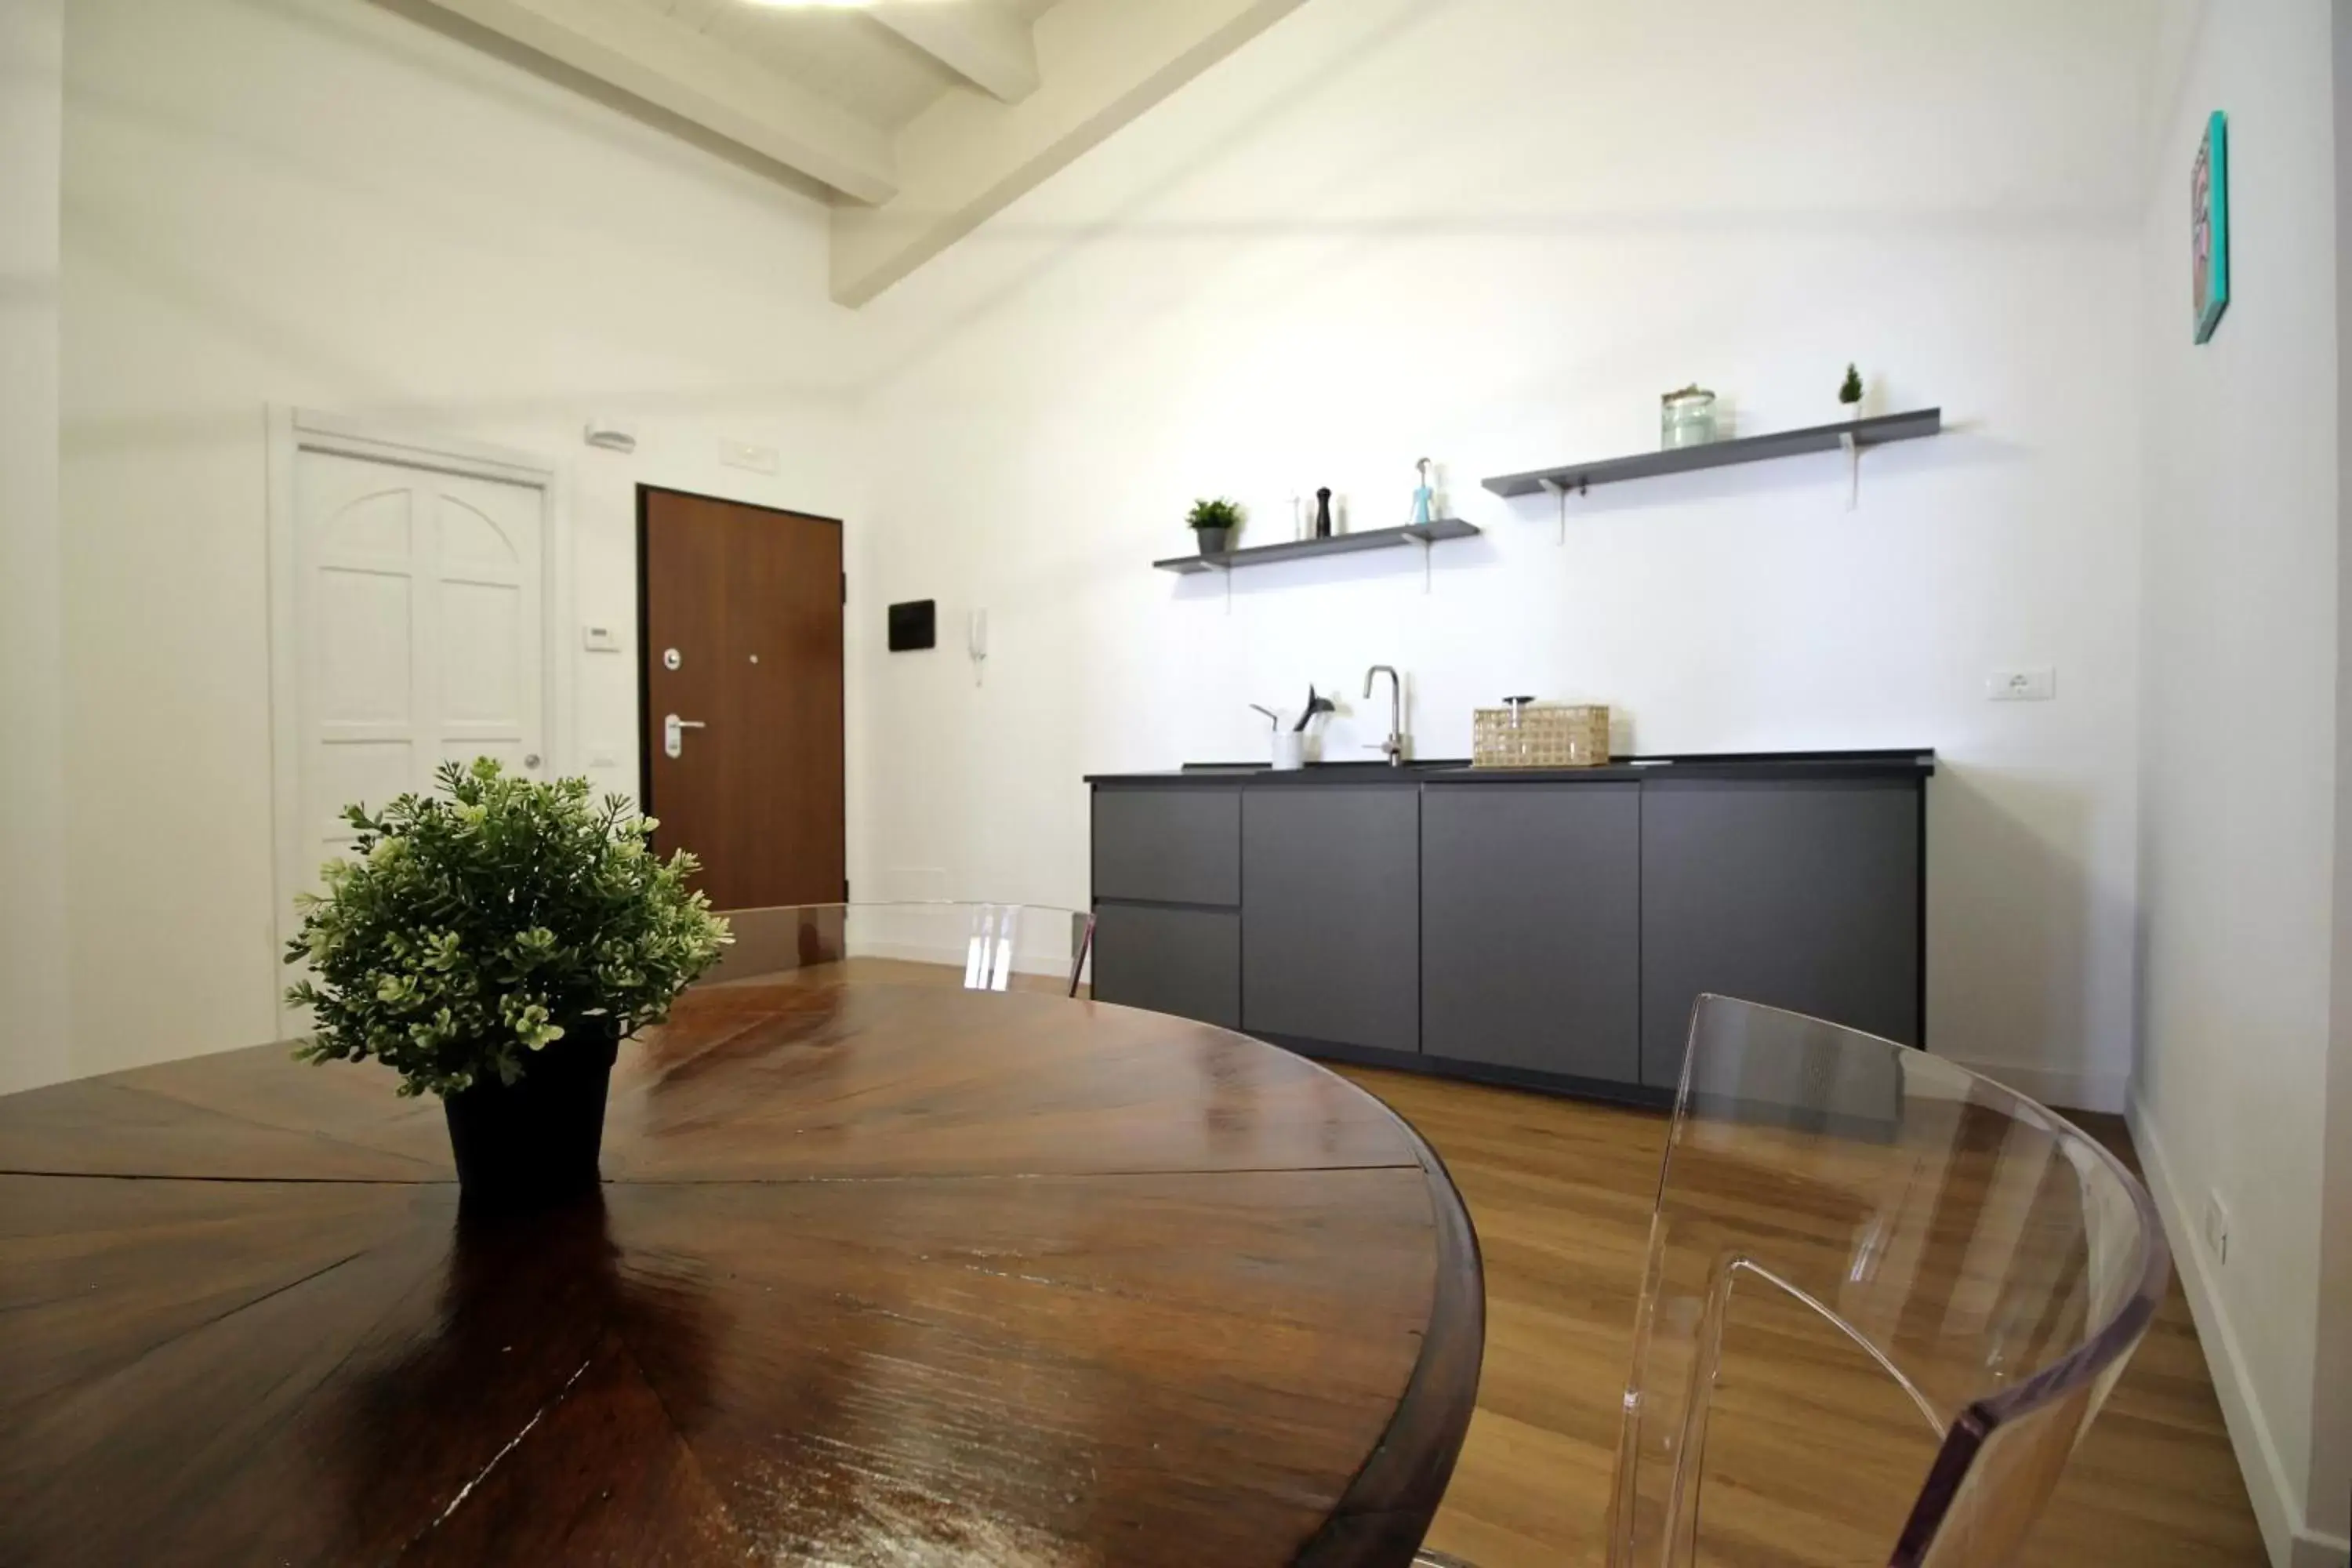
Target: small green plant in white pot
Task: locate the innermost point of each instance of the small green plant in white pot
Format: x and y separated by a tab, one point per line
493	943
1214	523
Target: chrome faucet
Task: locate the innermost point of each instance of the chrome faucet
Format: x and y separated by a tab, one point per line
1393	748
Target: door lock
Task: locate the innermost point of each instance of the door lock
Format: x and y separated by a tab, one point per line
674	730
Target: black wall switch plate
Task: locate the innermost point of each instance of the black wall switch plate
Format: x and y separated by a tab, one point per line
914	625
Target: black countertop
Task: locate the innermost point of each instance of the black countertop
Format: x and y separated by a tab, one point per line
1907	764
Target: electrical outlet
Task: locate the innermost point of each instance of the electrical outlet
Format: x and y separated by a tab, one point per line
2038	684
2217	1227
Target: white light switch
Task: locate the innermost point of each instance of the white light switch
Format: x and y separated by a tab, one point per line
2038	684
744	455
600	639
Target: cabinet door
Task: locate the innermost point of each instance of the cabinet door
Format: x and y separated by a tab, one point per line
1803	895
1531	927
1331	914
1179	845
1185	961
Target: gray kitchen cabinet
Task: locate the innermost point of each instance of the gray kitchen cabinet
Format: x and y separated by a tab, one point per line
1331	914
1179	845
1802	894
1187	962
1531	928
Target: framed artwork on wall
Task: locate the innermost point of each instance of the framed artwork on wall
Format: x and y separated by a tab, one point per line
2208	224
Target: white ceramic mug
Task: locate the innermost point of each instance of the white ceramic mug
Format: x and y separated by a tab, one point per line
1289	751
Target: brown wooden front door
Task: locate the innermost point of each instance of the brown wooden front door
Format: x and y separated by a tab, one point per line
739	611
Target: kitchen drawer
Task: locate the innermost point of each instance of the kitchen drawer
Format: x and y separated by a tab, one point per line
1185	961
1180	846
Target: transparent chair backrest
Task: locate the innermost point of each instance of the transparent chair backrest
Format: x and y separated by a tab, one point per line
993	947
1882	1299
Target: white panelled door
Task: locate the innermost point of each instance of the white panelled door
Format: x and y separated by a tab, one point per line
419	603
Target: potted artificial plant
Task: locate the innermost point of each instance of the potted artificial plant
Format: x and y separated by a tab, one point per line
1850	393
493	944
1212	523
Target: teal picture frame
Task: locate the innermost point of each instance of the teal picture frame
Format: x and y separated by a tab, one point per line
2209	224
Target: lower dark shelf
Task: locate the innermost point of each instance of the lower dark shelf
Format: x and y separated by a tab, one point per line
1337	544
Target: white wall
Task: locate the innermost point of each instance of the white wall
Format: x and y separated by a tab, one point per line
328	203
1492	232
2239	778
31	635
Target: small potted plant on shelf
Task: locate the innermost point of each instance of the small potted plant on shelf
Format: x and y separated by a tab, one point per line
1214	522
1850	393
493	944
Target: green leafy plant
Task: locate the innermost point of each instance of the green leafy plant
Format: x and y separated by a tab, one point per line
1218	513
1850	390
467	932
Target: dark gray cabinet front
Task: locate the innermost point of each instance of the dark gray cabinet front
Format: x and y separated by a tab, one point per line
1530	930
1800	895
1331	914
1179	845
1181	961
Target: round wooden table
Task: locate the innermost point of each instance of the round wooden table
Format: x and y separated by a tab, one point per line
882	1273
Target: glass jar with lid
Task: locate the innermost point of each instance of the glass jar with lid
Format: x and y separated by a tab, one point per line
1686	418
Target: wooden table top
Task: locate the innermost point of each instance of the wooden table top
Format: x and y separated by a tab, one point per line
882	1273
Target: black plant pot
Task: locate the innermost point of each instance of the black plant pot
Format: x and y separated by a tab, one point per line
533	1143
1213	540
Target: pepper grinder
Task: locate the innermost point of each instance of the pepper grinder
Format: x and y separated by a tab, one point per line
1323	512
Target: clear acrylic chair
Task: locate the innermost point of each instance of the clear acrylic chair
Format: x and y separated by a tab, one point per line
1884	1297
983	947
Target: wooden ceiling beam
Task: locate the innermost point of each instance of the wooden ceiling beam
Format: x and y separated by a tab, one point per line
989	48
650	57
1101	63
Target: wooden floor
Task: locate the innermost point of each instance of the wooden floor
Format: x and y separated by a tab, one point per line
1561	1192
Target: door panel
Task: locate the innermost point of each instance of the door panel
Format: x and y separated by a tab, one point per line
1331	914
1797	895
750	600
1531	927
419	632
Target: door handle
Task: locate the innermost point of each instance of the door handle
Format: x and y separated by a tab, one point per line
674	730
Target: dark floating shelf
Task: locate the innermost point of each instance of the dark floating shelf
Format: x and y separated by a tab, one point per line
1578	477
1337	544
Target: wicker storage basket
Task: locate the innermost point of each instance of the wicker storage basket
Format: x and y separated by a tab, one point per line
1528	734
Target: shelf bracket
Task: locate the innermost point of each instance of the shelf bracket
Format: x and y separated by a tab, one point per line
1560	492
1854	469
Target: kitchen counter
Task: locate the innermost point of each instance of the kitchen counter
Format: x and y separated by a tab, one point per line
1543	927
1790	765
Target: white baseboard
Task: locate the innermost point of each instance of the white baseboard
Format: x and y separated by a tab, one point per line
2059	1088
2287	1534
